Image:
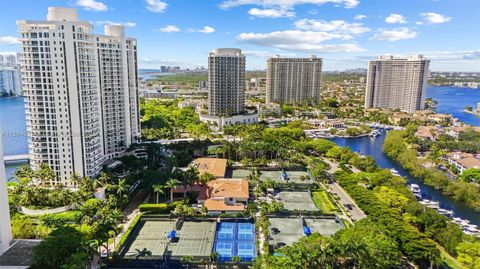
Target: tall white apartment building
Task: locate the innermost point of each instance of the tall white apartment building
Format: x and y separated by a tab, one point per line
10	80
5	226
81	93
226	78
294	80
397	83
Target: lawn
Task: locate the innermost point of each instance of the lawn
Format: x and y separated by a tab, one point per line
321	200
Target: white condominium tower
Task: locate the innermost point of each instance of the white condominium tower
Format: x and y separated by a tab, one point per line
81	93
226	77
397	83
294	80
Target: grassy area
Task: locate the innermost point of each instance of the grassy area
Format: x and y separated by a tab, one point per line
321	200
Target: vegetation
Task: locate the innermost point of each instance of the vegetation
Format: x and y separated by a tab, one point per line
165	120
154	208
399	146
323	202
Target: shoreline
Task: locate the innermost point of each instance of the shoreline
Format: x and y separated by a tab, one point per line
472	112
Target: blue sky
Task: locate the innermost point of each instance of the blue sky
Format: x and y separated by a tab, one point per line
346	33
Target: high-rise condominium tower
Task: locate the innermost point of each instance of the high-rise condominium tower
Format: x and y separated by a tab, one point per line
226	77
397	83
81	89
294	80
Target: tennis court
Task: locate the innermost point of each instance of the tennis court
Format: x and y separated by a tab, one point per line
301	201
325	227
235	239
285	231
195	238
151	235
293	176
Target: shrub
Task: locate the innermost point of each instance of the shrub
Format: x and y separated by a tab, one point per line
60	219
154	208
130	228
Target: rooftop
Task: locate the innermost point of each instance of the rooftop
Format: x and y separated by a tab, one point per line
214	166
229	188
19	255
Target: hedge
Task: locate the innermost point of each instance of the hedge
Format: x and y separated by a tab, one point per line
130	228
154	208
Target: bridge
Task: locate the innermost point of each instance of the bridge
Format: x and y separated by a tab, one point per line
16	158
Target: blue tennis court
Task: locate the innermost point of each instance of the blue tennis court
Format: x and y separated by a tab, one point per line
235	239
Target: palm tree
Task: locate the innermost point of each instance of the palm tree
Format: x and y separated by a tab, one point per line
122	187
158	189
171	184
143	253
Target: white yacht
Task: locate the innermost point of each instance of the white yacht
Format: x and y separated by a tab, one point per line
394	172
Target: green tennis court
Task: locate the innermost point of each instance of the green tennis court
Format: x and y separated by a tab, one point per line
285	231
293	176
194	239
151	235
325	227
297	200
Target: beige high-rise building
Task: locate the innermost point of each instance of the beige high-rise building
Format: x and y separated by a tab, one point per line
226	82
397	83
294	80
81	93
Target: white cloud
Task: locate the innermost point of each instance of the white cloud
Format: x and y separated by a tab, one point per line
126	24
395	34
395	18
9	40
156	6
297	40
271	13
337	26
206	30
226	4
434	18
92	5
360	17
169	29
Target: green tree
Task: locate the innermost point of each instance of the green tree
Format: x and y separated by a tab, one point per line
206	177
171	184
471	175
61	247
158	189
469	254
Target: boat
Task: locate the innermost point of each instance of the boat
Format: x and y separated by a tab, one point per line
394	172
445	212
414	188
374	133
430	204
471	231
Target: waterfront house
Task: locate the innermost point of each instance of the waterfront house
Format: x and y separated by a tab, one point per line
463	161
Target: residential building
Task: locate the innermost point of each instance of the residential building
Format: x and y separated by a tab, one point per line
226	81
5	226
294	80
463	161
214	166
227	195
397	83
226	89
10	81
81	93
455	131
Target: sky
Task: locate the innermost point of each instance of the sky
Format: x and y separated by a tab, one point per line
345	33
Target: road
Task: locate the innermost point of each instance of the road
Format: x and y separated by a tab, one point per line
355	212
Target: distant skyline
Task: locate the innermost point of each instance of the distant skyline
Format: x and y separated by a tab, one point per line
345	33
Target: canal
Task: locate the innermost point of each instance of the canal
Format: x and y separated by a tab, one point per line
373	147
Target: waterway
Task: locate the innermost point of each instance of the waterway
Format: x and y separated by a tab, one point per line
373	147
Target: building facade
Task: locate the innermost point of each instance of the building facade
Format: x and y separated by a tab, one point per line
81	93
226	81
294	80
397	83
